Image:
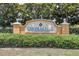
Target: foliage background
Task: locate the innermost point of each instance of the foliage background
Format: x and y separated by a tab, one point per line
9	11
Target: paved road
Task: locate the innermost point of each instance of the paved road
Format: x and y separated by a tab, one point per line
38	52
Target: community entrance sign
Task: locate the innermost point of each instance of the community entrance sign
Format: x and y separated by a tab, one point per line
40	26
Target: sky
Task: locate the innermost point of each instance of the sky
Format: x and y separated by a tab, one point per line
39	1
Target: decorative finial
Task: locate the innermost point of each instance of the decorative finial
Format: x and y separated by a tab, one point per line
64	20
41	17
54	20
19	18
19	14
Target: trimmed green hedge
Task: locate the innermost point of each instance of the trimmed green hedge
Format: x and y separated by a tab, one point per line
40	40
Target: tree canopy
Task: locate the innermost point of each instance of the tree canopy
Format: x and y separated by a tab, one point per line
8	12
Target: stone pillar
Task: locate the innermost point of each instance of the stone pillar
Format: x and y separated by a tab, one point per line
22	29
65	27
59	29
16	27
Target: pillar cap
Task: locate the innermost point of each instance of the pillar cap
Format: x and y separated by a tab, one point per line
65	21
17	23
59	25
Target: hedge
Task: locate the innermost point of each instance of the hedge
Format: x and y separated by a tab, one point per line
40	41
74	29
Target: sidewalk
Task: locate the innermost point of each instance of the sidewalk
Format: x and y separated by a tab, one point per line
38	52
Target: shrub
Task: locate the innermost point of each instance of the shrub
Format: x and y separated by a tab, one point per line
40	40
74	29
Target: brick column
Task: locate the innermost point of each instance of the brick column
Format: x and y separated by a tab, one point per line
22	29
59	29
16	27
65	28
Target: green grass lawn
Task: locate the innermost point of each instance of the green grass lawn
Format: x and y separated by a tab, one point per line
38	52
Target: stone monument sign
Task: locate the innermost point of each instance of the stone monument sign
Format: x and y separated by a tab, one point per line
41	26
